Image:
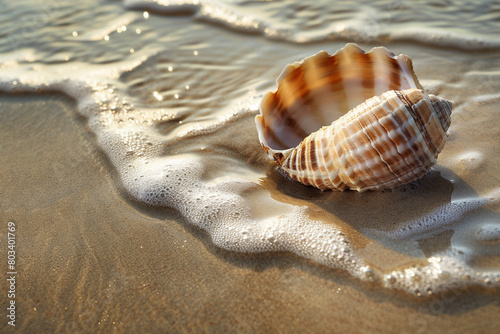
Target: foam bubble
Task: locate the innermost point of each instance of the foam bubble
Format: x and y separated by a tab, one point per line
469	161
489	233
438	218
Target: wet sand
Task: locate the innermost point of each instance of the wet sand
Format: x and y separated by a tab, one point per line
91	260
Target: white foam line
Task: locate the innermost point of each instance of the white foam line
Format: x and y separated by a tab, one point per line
355	29
442	216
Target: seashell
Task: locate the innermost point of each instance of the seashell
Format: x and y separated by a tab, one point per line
353	120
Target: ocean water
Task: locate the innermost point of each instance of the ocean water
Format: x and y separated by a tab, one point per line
170	89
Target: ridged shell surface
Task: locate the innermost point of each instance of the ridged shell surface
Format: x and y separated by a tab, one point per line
383	129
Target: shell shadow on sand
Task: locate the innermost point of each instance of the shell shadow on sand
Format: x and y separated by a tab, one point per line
397	215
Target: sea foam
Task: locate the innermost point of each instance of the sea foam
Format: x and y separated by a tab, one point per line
366	22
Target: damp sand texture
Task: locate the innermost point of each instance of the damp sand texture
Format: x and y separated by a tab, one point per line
143	201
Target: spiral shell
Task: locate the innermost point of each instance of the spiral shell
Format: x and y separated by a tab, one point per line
384	129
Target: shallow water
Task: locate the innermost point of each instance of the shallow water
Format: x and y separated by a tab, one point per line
170	93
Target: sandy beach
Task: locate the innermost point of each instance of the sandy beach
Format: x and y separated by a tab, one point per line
92	261
143	201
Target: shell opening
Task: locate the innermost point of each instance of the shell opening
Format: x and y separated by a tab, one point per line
320	89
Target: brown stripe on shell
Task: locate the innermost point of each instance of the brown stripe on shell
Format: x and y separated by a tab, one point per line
300	91
435	132
368	80
418	120
344	170
270	134
318	182
303	158
308	156
292	124
443	110
394	121
393	159
372	134
382	131
335	82
279	157
395	74
312	155
321	139
292	87
294	160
